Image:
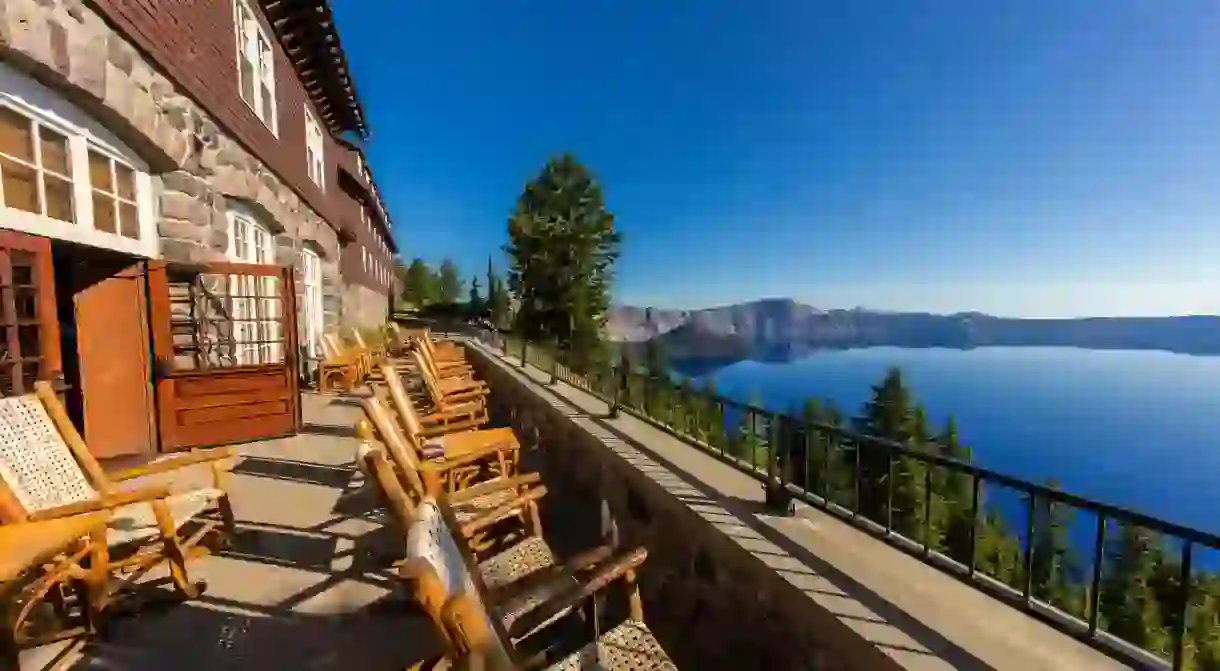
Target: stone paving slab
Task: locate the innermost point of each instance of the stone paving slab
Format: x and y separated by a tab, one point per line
917	615
304	585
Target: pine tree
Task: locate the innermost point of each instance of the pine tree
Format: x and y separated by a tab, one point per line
886	415
1053	569
418	284
562	248
474	304
497	299
1128	603
449	283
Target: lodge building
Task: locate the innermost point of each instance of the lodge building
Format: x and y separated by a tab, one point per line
185	210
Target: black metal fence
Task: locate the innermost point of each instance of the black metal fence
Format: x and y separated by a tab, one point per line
795	457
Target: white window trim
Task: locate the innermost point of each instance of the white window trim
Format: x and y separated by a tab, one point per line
315	149
245	42
245	285
311	271
28	99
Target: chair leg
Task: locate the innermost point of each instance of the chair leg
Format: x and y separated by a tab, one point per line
174	552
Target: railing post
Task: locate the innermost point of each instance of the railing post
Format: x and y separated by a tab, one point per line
555	364
778	498
619	389
525	348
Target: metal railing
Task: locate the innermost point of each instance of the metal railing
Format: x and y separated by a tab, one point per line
794	457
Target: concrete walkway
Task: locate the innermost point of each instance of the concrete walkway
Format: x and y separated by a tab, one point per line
918	616
304	586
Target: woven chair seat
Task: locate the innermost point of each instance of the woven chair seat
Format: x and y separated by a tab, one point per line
627	647
137	522
531	554
528	599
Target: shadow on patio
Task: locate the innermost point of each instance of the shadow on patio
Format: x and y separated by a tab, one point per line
303	585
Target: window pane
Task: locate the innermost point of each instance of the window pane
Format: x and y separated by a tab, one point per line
20	186
129	221
126	179
99	172
54	151
59	198
26	302
267	110
16	138
103	213
247	81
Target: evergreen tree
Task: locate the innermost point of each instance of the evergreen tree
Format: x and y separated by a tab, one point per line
1053	572
418	286
474	304
497	299
887	415
1128	602
562	248
449	283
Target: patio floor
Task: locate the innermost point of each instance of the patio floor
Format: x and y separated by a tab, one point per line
304	585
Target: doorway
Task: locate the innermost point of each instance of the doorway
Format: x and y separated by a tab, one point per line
103	316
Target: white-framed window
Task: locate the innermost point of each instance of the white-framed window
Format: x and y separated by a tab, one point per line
255	65
364	258
257	303
314	149
311	269
114	195
60	180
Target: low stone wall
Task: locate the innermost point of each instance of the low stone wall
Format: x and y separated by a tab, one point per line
713	604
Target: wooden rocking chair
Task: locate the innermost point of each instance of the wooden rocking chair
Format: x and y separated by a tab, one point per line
43	565
452	418
449	391
443	368
444	469
339	370
518	578
483	633
47	473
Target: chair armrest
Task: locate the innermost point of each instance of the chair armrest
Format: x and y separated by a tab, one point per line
502	512
493	486
458	412
472	457
472	422
567	571
103	502
603	575
175	463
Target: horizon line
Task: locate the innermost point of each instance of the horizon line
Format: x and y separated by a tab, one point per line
859	308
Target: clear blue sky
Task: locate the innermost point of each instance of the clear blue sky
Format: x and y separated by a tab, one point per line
1019	157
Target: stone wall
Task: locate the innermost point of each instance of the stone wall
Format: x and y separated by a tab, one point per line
364	307
713	604
196	166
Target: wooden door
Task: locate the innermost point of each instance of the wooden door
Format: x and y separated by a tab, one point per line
29	346
112	320
225	352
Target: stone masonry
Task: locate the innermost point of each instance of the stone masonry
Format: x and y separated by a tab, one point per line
196	166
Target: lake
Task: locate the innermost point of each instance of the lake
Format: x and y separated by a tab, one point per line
1136	429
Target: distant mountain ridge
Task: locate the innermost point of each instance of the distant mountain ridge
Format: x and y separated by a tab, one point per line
783	328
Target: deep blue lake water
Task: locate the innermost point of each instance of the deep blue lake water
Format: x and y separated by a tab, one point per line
1136	429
